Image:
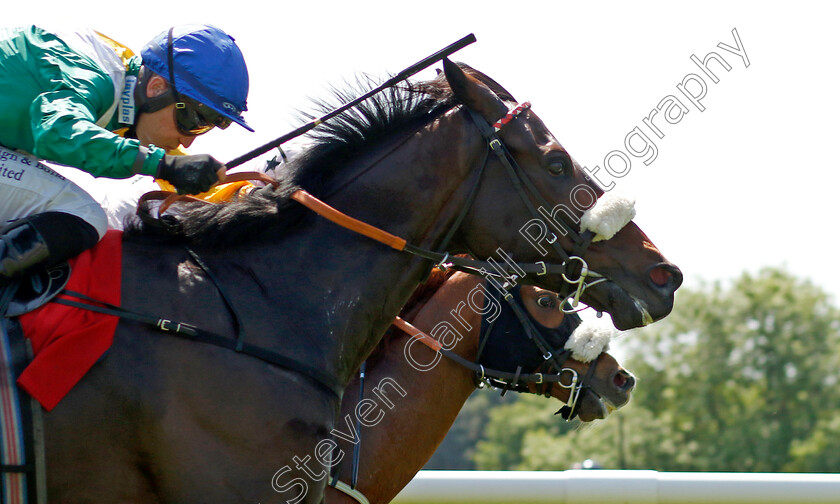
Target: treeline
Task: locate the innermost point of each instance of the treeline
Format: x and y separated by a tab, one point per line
741	376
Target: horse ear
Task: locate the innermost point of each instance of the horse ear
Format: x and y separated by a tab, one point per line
472	93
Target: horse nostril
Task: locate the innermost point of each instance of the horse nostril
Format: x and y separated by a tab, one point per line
624	380
660	276
666	276
619	380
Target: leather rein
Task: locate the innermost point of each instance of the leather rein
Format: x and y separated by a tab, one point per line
572	268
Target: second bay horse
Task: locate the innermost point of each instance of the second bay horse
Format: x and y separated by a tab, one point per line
419	406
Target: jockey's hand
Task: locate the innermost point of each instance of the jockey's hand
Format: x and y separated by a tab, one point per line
191	174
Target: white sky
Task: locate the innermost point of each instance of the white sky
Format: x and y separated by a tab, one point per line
742	185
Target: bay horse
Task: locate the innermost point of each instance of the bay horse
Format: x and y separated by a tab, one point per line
449	165
426	403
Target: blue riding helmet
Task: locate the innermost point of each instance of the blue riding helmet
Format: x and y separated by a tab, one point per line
208	67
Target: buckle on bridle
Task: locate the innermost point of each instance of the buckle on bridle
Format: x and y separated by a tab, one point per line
166	326
580	282
495	143
584	271
443	265
574	388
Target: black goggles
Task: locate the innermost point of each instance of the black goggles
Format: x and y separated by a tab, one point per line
192	117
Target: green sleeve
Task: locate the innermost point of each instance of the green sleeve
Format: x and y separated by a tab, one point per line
51	98
63	130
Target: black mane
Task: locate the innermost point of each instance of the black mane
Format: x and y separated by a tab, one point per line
387	113
268	213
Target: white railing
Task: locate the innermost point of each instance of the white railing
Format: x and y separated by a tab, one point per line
618	487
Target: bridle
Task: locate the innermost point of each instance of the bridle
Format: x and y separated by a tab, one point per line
553	359
542	381
573	269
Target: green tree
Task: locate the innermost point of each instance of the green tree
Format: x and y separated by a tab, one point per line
736	376
501	446
820	452
457	450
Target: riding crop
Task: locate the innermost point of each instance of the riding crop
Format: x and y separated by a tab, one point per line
408	72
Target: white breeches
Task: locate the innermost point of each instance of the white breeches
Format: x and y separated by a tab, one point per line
28	187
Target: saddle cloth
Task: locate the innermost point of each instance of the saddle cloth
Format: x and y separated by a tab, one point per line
68	341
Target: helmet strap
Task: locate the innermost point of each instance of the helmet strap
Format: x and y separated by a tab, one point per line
170	55
145	103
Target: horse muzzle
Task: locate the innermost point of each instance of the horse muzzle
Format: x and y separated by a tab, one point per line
630	310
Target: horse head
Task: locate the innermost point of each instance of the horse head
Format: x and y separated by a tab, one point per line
608	385
591	248
592	382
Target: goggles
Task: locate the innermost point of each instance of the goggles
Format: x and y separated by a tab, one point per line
192	117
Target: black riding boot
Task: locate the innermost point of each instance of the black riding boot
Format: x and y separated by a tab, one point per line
21	248
47	238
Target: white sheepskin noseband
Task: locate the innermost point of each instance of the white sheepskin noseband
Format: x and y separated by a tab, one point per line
608	215
589	340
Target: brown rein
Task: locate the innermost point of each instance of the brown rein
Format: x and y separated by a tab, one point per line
304	198
443	260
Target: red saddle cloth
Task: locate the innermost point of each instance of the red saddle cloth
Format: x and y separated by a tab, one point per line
68	341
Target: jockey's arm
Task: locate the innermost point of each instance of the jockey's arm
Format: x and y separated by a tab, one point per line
64	131
55	102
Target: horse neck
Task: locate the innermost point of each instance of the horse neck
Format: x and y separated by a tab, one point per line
449	308
417	189
431	401
414	191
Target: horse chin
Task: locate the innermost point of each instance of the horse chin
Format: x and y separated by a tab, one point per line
627	312
593	407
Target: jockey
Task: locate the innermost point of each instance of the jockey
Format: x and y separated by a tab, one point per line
83	100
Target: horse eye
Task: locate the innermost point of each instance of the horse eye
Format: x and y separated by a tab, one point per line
545	301
558	166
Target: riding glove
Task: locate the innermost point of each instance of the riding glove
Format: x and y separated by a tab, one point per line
190	174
